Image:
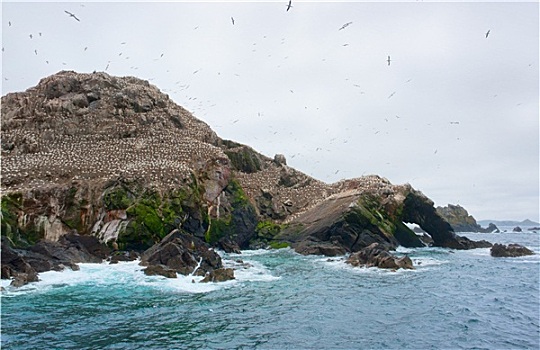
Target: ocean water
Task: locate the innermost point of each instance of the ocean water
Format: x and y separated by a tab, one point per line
282	300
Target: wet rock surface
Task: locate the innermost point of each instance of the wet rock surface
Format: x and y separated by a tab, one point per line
510	250
376	255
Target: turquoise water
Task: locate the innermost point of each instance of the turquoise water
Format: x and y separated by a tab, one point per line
282	300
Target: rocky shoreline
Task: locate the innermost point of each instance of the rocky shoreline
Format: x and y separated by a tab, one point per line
97	168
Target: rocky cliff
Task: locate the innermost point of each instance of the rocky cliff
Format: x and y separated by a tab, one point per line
461	221
116	159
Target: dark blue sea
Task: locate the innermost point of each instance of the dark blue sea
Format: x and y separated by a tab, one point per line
282	300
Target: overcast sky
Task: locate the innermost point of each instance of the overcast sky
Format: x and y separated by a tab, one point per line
456	113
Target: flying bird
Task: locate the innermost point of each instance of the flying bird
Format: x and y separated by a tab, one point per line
9	23
72	15
289	5
388	60
487	33
30	36
232	20
345	25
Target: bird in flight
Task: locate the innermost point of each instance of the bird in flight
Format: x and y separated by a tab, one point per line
72	15
289	5
388	60
487	33
345	25
232	20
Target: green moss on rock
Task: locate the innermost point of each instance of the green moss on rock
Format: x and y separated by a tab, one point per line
11	205
278	245
117	198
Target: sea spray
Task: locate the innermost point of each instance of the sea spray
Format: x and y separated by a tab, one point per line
196	268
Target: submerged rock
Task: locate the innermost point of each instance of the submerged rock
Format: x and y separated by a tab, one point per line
511	250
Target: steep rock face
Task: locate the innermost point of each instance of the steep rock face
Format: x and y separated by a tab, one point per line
461	221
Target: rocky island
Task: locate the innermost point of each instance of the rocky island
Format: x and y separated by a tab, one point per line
96	167
461	221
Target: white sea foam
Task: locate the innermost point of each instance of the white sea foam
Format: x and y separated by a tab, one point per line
130	273
339	263
249	271
255	252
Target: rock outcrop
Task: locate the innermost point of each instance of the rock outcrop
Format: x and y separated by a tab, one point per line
23	265
115	160
376	255
511	250
182	253
461	221
370	210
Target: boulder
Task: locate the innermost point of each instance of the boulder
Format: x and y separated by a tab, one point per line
182	253
511	250
517	229
160	270
229	246
219	275
377	255
491	228
280	159
21	279
118	256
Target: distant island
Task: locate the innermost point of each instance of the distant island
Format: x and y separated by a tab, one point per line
526	222
461	221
